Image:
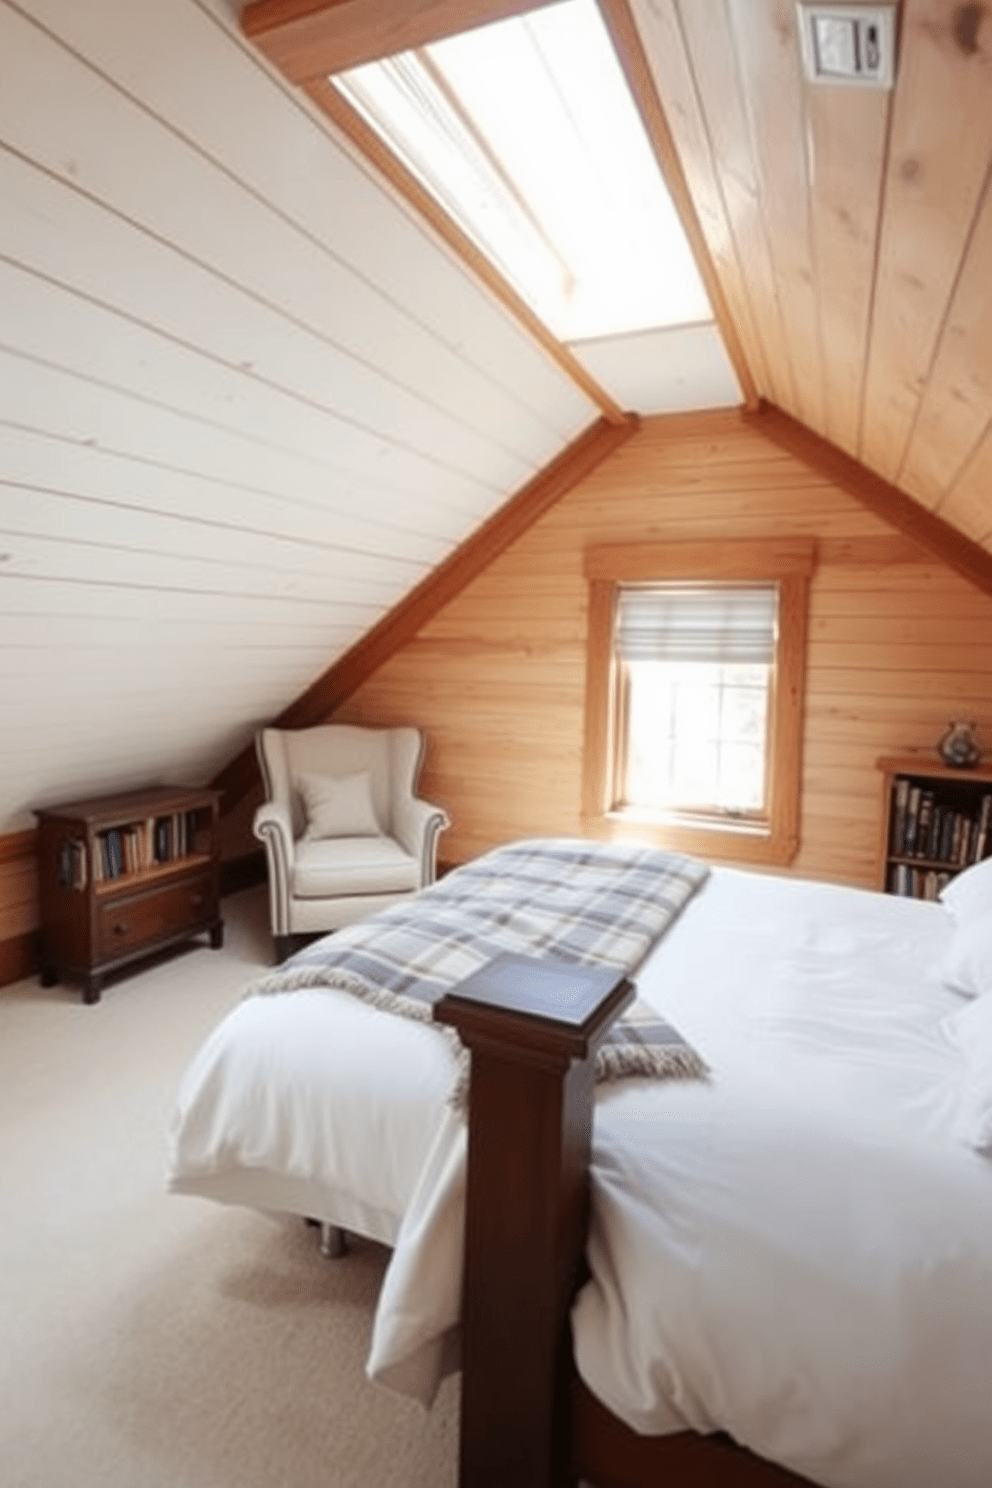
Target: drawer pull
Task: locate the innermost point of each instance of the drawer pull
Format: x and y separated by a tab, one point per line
122	927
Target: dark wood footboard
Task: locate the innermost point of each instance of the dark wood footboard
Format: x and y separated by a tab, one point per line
604	1451
526	1421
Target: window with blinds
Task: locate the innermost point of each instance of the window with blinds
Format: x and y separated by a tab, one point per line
694	669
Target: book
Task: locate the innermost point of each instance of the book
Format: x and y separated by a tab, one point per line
163	839
923	818
981	842
964	845
912	815
937	820
900	796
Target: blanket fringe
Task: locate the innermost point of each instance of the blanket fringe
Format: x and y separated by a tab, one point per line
613	1061
631	1061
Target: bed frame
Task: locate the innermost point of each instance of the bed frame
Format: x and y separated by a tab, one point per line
527	1421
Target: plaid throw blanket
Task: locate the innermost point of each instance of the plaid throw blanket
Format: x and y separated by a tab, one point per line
594	904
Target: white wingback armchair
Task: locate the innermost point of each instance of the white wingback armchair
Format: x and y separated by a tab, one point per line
344	832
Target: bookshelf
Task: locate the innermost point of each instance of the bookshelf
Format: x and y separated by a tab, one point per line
935	821
125	875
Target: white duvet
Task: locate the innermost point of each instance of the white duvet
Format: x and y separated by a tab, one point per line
796	1251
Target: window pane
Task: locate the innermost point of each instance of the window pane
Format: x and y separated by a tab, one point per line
696	736
745	704
742	777
561	191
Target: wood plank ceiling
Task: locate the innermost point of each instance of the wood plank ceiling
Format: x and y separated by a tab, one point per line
851	230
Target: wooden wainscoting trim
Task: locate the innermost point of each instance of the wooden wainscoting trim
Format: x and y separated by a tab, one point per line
19	957
19	954
886	501
440	586
308	39
18	847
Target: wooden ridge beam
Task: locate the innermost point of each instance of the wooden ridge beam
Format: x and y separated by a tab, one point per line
308	39
902	512
440	586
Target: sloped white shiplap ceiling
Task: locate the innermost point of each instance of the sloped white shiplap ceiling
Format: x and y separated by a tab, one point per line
247	402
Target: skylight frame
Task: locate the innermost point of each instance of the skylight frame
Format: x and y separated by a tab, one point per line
545	262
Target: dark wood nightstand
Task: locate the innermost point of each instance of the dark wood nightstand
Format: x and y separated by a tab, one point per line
122	876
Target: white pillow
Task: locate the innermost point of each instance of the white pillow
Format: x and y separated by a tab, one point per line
969	892
970	1030
966	965
338	806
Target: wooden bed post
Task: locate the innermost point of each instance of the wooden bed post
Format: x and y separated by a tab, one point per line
532	1028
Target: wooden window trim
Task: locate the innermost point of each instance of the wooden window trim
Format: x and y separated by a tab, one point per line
788	562
308	39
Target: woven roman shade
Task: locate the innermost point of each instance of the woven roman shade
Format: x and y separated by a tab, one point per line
706	623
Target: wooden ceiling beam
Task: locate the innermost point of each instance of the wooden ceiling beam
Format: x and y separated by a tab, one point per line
640	80
440	586
337	108
308	39
900	511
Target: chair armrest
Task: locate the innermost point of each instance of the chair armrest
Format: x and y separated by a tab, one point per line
272	825
416	826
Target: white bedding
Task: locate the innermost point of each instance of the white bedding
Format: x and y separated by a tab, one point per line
797	1250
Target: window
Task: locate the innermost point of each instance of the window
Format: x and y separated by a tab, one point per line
561	189
694	671
694	695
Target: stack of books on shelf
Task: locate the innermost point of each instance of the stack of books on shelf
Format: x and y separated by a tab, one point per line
141	845
173	836
117	851
917	883
934	832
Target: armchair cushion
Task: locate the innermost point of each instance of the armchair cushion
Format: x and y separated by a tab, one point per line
353	865
338	806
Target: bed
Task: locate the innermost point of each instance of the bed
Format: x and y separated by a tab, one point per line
789	1251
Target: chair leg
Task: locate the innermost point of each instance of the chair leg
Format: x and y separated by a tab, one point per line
333	1239
333	1243
288	945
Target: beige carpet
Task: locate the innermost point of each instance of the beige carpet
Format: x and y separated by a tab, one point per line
151	1341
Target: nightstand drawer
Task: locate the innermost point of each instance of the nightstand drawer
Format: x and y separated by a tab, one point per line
144	919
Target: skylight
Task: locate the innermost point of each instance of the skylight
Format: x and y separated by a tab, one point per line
526	132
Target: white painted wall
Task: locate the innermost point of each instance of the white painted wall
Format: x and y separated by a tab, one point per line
246	401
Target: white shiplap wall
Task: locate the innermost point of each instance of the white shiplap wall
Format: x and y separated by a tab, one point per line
246	401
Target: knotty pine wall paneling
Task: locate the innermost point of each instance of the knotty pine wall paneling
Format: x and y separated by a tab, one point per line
898	645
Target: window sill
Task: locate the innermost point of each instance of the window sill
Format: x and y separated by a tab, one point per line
744	843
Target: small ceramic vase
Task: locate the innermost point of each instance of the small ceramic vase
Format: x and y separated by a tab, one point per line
958	747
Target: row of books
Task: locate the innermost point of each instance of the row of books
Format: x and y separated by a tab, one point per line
917	883
142	845
924	827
